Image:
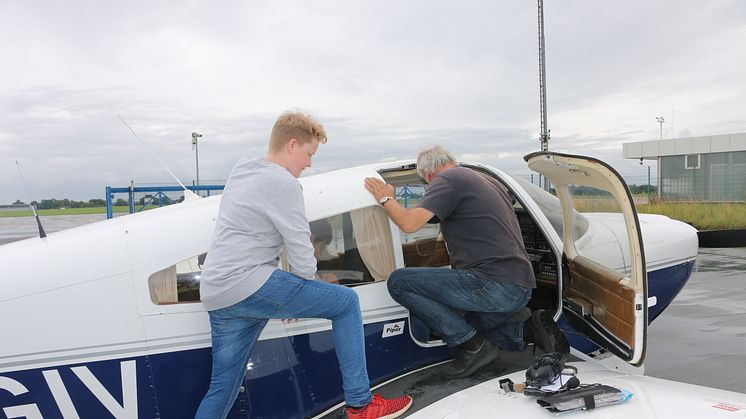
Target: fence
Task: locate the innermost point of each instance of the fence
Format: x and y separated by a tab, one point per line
142	197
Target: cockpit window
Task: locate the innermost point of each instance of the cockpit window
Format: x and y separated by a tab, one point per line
350	249
178	283
607	247
552	209
425	247
353	248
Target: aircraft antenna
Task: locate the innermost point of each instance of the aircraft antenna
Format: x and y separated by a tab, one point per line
544	136
542	81
187	193
42	234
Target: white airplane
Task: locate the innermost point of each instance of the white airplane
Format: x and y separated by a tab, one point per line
104	320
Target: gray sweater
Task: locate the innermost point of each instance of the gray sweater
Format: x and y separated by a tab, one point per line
261	209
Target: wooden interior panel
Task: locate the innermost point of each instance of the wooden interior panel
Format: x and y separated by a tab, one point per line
612	302
426	253
546	283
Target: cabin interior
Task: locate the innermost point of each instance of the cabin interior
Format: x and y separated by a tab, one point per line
429	250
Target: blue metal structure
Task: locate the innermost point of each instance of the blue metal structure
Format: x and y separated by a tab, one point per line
158	193
404	193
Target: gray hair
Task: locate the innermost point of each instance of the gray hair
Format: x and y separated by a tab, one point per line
433	157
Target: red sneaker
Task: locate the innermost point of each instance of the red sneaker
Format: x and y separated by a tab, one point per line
380	408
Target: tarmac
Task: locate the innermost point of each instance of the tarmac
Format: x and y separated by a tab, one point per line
18	228
701	337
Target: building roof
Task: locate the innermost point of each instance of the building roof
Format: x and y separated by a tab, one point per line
681	146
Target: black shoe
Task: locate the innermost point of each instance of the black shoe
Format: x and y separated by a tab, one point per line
545	333
467	362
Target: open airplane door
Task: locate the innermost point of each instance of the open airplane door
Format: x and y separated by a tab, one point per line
604	284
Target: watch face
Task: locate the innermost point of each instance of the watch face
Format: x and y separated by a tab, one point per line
384	200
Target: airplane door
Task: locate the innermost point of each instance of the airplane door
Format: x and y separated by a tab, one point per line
604	292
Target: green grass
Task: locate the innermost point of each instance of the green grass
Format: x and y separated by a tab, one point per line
584	203
66	211
702	215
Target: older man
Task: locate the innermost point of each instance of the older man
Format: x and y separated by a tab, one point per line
491	278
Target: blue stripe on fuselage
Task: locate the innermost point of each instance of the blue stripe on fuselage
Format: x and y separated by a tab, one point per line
286	377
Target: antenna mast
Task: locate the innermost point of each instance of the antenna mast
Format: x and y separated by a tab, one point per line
544	138
187	193
42	233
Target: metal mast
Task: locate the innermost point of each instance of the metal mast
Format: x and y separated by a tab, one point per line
195	147
542	82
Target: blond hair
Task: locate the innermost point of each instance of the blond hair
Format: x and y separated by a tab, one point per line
295	124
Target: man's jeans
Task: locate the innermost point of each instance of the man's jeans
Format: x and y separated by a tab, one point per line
456	304
235	330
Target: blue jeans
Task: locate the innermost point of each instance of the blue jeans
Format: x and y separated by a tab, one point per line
456	304
235	330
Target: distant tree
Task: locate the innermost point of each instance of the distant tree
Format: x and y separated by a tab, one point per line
586	190
97	202
71	203
643	189
49	204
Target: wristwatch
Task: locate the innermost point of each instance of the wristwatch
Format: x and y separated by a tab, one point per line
384	200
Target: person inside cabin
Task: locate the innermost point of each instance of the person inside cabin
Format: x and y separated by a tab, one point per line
321	237
261	209
479	304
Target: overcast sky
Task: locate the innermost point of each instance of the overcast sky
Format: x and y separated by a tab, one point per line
385	78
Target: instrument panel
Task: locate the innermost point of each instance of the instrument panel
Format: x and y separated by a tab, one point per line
539	252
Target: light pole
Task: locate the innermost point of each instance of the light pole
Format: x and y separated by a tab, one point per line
195	136
660	121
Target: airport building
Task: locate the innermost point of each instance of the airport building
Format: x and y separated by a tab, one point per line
711	168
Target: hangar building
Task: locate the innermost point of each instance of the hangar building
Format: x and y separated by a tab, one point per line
711	168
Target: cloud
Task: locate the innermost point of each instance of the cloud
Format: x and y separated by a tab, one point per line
385	78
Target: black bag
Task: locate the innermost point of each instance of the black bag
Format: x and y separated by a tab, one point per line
586	397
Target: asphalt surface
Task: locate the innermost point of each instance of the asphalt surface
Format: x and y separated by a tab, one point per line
17	228
701	337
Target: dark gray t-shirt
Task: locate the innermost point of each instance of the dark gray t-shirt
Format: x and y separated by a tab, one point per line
479	226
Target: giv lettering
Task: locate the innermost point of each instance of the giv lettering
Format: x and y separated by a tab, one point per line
127	410
29	411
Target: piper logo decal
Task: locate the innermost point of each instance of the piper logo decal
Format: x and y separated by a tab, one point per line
393	329
726	407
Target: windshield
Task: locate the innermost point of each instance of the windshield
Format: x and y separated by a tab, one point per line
551	207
